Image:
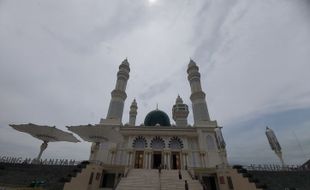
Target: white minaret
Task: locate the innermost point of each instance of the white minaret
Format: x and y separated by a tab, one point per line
180	112
133	113
119	93
198	97
114	116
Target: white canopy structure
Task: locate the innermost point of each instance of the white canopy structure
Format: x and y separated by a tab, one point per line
46	134
274	143
97	134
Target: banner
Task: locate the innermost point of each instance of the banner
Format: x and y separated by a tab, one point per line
20	160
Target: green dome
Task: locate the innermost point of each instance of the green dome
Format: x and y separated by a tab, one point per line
157	117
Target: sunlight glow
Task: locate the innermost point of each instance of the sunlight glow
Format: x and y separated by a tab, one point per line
152	1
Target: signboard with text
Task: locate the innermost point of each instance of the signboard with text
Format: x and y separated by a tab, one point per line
20	160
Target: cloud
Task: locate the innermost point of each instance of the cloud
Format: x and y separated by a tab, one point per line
59	59
154	90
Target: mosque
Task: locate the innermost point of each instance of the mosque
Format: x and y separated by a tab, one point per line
156	142
155	155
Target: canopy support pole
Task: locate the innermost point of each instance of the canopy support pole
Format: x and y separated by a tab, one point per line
42	148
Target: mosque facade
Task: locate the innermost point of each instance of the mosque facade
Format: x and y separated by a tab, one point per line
157	142
130	156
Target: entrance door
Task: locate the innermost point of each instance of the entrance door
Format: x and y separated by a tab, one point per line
210	182
176	164
156	160
139	159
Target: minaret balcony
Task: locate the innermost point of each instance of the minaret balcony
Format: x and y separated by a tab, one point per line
119	93
198	95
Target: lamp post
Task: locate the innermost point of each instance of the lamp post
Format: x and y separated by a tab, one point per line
274	144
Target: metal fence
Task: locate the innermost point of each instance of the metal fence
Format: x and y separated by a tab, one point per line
274	167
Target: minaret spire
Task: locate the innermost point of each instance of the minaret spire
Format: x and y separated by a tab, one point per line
198	97
133	113
118	95
180	112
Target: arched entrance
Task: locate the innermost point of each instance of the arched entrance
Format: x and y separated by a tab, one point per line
139	144
176	145
157	144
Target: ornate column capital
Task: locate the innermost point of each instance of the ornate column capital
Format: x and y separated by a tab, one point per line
130	151
167	151
185	152
202	153
148	151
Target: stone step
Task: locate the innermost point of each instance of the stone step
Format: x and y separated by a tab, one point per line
146	179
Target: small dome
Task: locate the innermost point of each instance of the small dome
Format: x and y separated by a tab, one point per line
134	103
179	100
192	63
125	62
157	117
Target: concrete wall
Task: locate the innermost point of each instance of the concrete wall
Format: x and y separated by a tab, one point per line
239	182
81	181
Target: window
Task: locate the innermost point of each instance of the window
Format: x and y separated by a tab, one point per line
91	178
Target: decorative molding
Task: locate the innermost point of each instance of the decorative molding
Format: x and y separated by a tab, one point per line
157	143
139	142
175	143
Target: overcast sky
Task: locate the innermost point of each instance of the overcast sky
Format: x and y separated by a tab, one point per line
59	59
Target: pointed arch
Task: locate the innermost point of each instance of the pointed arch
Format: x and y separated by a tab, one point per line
139	142
175	143
157	143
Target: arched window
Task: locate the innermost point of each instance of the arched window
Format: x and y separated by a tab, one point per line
157	143
210	143
139	142
175	143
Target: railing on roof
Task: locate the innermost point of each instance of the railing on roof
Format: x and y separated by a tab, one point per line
275	167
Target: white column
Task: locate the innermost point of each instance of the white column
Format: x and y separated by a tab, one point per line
165	159
112	157
202	160
129	158
184	160
150	160
169	160
122	160
145	161
206	158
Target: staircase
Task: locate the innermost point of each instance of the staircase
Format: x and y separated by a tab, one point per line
170	180
140	179
149	179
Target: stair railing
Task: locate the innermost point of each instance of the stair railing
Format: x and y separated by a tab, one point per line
121	177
